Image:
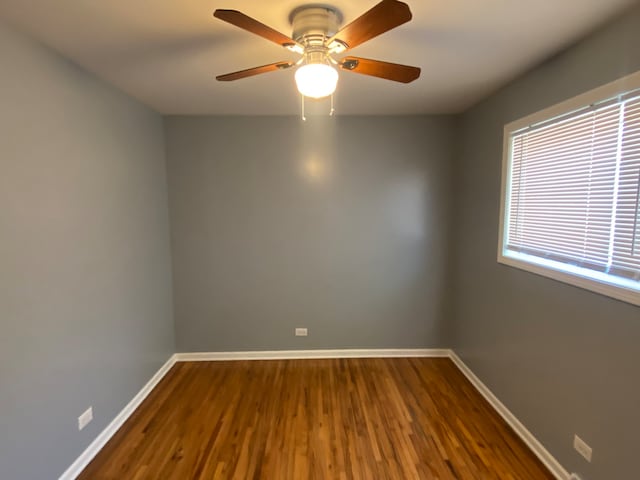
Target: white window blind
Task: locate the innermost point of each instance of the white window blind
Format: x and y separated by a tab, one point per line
574	189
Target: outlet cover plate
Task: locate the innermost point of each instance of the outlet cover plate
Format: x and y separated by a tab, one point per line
85	418
301	332
582	448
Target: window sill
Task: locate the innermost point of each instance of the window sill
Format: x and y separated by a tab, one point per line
618	288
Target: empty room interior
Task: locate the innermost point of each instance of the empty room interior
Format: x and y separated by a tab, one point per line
288	240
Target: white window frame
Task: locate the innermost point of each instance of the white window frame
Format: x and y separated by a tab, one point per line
621	289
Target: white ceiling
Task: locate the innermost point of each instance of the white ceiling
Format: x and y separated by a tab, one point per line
166	53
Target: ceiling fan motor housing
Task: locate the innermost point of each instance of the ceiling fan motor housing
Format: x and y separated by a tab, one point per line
313	24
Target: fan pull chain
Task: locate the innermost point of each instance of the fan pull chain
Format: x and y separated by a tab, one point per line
302	104
304	119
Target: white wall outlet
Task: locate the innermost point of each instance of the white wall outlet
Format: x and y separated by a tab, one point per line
85	418
301	332
582	448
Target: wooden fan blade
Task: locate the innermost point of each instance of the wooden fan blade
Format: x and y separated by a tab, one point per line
376	68
250	72
247	23
383	17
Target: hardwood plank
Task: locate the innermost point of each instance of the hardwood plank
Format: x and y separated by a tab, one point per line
407	418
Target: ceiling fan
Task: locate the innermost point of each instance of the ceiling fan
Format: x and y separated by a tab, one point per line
317	37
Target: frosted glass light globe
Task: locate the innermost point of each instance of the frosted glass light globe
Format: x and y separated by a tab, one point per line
316	80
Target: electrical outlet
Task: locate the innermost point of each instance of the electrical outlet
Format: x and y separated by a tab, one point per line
301	332
582	448
85	418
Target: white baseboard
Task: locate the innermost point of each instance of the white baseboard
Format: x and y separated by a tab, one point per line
92	450
308	354
527	437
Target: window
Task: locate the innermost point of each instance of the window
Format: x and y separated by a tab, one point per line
571	191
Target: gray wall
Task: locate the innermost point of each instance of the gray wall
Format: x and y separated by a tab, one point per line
85	289
337	224
564	360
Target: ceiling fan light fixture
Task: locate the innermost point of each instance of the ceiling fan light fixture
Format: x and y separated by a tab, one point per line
317	36
316	80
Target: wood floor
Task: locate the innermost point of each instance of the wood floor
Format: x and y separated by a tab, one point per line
373	419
